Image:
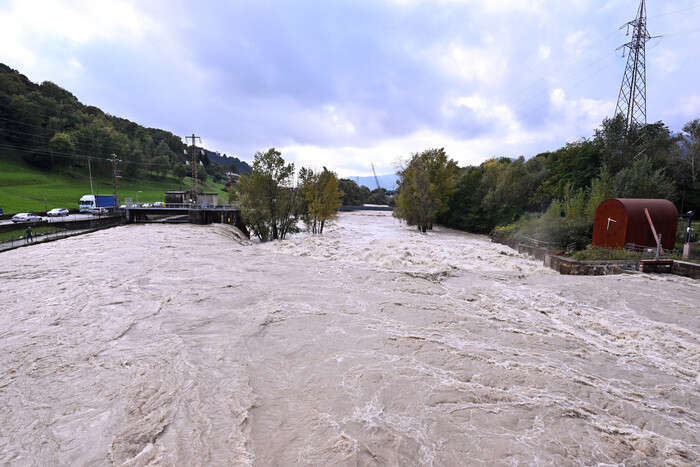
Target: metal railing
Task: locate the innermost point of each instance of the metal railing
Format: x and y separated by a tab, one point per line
55	234
647	252
40	238
534	242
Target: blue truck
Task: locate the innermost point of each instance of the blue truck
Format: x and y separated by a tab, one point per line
97	204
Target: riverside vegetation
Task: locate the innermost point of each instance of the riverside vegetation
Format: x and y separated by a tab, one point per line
552	197
272	201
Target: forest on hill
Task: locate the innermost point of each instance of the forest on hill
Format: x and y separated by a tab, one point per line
54	131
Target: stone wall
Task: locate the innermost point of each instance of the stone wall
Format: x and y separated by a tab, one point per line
569	266
683	268
656	266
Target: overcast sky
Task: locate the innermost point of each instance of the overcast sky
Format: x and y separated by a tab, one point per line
347	83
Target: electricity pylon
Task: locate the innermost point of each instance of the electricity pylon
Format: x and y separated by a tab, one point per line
632	100
194	161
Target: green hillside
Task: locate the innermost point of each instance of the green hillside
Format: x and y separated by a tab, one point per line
26	188
49	140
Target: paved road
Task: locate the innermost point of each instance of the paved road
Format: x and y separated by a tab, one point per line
70	217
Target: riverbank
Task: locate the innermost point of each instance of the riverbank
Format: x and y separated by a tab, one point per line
568	265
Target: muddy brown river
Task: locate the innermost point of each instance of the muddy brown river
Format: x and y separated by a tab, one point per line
369	345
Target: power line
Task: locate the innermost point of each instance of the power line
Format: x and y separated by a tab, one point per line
47	138
675	12
90	143
50	153
521	103
72	135
538	81
680	33
130	179
44	140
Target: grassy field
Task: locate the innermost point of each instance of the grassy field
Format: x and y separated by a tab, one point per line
24	188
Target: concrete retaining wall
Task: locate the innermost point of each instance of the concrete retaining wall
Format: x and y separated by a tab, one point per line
569	266
656	266
683	268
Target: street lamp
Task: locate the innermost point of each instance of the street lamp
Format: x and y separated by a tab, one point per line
686	247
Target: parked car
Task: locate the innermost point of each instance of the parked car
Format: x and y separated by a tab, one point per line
147	205
26	217
57	212
159	204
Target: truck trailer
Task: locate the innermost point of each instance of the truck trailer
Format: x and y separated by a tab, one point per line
97	204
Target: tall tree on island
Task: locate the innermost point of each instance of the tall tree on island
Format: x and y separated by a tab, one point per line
266	197
322	197
426	184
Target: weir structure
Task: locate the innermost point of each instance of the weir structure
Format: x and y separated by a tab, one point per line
226	214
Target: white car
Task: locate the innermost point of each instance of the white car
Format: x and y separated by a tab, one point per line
26	217
99	211
57	212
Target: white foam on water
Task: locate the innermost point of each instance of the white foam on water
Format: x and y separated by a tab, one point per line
372	344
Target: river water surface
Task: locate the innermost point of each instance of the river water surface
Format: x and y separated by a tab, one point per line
369	345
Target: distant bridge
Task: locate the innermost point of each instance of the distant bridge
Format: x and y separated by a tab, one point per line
371	207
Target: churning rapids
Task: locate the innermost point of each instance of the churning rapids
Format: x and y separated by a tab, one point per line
372	344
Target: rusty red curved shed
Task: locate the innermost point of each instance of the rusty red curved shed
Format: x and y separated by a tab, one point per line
619	221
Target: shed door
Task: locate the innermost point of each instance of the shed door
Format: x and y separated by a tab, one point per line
610	228
615	230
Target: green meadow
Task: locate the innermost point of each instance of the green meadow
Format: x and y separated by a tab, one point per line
24	188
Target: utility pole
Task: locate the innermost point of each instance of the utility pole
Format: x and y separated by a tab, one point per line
92	192
116	177
194	161
632	99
